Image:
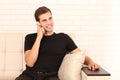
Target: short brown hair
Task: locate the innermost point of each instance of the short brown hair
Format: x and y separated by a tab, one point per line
40	11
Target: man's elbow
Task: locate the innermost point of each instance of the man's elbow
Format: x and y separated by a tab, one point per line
29	64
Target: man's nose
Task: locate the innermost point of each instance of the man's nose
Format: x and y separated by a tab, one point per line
48	21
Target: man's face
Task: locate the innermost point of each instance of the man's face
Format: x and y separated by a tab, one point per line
46	21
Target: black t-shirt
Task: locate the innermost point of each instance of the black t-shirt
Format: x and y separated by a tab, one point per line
51	52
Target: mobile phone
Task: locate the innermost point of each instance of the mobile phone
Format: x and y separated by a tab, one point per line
38	23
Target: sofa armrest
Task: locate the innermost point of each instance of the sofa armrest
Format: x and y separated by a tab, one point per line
100	74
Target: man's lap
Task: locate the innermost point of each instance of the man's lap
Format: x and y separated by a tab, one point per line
27	75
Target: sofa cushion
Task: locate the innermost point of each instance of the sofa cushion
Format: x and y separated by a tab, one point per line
71	66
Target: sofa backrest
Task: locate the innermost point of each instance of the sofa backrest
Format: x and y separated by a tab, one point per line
11	54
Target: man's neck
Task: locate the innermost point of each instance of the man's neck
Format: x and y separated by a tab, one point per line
48	33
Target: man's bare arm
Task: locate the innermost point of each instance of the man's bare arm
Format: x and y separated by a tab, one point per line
88	61
32	55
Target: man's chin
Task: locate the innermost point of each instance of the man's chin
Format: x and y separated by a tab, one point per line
48	30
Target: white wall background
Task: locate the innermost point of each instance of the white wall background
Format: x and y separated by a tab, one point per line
115	39
93	21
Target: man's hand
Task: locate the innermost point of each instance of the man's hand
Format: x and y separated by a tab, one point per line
93	66
40	30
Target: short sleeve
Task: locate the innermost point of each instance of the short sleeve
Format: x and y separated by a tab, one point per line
27	44
70	44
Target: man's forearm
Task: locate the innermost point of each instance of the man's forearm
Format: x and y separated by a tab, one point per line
88	60
32	55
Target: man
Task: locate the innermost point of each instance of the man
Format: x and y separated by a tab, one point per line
45	49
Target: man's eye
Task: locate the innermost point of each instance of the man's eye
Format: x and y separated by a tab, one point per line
44	20
50	18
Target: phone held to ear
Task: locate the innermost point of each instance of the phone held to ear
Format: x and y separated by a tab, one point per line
38	23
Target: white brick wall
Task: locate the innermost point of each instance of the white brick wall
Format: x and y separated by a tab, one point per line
90	20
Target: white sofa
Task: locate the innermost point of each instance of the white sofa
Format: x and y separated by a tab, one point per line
12	55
